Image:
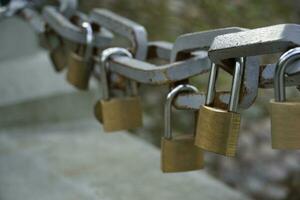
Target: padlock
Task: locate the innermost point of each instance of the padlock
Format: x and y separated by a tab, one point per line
285	124
57	49
178	153
58	58
118	113
80	67
218	129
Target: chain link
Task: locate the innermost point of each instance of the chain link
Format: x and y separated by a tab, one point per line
188	57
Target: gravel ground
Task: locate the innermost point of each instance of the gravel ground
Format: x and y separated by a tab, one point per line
258	170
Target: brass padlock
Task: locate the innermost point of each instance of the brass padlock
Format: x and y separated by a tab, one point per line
58	58
80	67
285	124
178	153
119	113
56	45
218	129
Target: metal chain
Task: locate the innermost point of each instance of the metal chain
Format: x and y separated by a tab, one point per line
189	56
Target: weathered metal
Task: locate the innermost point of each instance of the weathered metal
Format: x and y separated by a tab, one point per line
67	30
148	73
259	41
188	43
159	50
124	27
191	42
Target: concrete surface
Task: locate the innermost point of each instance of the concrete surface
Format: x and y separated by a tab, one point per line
17	38
76	160
31	92
30	77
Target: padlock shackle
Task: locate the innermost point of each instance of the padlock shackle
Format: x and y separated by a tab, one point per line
211	91
105	56
168	106
236	84
89	41
235	87
279	77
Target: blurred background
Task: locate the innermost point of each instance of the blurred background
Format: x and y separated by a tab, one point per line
257	171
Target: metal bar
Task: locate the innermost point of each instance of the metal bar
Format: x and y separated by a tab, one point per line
194	42
69	31
266	78
124	27
260	41
198	41
196	100
159	49
147	73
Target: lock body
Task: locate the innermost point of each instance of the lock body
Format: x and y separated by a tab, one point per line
58	50
119	114
179	154
79	71
217	130
58	57
285	124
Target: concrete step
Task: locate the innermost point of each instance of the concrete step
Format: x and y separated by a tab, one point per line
31	92
76	160
16	39
29	78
